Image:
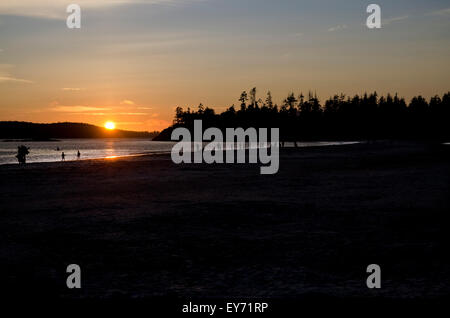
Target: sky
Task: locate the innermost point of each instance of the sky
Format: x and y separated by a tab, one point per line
134	61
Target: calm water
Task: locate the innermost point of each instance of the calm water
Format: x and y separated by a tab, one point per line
46	151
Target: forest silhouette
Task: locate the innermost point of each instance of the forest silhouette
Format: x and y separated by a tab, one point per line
341	117
34	131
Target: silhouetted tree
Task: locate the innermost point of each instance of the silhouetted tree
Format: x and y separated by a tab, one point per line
243	99
358	117
269	101
252	98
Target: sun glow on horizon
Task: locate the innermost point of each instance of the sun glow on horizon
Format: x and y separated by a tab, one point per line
110	125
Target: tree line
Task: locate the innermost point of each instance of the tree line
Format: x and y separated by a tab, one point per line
34	131
300	117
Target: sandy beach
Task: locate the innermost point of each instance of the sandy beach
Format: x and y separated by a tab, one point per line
145	227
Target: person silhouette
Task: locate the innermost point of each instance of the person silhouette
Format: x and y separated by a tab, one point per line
63	156
22	152
78	154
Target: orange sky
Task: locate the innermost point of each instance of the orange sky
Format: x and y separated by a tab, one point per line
134	63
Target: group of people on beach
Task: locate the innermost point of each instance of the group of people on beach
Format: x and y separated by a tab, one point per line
23	151
63	155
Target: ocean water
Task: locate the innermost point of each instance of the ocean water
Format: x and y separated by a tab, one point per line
47	151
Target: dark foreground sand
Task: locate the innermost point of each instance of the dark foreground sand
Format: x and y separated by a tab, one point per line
142	227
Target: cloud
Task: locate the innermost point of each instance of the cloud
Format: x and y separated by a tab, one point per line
6	77
127	102
56	9
93	114
76	109
394	19
72	89
441	12
132	114
337	28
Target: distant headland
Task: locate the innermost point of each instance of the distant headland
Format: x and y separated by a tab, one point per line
50	132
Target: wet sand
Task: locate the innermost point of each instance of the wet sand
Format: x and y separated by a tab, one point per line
145	227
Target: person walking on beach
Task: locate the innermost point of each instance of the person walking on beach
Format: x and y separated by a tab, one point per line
78	154
63	156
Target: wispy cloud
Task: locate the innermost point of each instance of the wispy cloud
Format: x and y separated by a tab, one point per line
337	28
56	9
77	109
131	114
127	102
94	110
92	114
72	89
441	12
394	19
6	77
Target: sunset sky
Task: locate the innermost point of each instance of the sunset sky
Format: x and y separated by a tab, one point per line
133	62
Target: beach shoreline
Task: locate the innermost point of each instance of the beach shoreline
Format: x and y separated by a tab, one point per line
145	227
305	144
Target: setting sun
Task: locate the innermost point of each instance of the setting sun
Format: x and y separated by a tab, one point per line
110	125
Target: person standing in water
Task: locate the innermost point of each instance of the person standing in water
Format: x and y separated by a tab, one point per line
63	156
78	154
22	153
